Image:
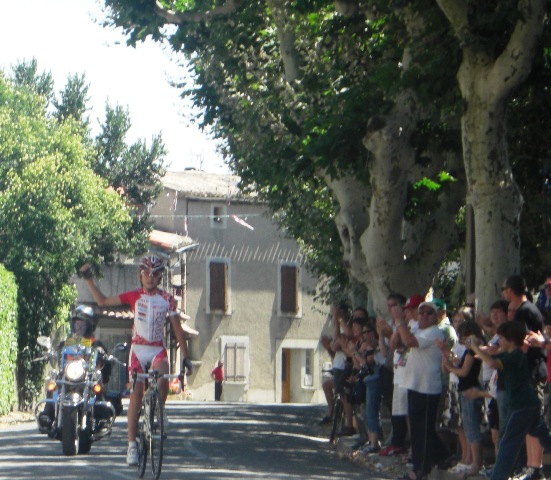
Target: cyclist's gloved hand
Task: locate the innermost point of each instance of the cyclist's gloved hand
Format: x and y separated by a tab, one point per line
187	366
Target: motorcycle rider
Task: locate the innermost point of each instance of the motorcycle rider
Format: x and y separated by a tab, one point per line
150	305
83	326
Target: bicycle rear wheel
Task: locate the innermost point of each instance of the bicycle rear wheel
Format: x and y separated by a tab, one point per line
157	435
338	420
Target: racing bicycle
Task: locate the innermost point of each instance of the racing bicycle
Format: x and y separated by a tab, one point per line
357	405
152	431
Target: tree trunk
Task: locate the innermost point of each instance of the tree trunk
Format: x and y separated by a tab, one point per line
495	198
381	249
487	83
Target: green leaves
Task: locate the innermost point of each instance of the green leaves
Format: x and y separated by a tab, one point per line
136	168
8	340
422	198
282	136
55	213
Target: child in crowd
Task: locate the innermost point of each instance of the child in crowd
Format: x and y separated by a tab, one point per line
467	370
525	407
494	389
451	416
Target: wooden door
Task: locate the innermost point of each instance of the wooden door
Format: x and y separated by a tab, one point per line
285	375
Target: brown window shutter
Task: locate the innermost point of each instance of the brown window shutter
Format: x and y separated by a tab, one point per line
218	286
289	289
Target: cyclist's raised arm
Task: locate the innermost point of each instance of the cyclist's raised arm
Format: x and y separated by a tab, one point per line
97	295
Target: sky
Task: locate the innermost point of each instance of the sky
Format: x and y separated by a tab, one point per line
65	40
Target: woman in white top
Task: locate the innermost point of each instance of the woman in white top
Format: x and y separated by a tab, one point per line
424	383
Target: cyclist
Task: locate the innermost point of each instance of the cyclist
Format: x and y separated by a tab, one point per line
151	306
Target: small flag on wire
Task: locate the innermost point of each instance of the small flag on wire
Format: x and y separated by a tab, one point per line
242	222
175	201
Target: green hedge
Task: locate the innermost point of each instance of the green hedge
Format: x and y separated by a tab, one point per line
8	340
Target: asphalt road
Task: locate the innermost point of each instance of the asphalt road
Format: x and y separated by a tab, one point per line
206	441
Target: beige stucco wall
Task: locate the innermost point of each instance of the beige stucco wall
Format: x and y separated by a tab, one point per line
113	280
254	257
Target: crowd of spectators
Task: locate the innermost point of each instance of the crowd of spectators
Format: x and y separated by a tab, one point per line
440	380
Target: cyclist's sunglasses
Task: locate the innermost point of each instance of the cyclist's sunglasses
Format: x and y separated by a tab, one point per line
155	273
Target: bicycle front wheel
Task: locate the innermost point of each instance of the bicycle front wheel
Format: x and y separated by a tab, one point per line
157	435
143	445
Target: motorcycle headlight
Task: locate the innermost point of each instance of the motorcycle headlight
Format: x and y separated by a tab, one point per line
75	372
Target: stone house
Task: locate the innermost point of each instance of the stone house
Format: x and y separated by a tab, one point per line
242	289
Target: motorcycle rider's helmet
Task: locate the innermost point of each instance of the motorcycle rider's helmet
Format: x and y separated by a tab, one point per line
83	321
152	264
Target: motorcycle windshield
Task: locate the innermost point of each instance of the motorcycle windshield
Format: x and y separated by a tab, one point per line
75	352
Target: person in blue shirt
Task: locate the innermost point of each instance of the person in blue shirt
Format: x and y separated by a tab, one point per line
543	300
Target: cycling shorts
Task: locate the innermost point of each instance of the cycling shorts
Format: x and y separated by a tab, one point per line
143	355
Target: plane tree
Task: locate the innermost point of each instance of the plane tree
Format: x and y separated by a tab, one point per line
356	102
499	41
529	146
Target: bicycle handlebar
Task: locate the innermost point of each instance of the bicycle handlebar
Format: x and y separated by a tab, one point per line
113	359
152	374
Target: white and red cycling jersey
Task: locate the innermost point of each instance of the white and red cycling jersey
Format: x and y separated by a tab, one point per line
150	312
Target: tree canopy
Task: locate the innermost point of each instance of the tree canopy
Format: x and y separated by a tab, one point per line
375	106
307	98
135	170
56	212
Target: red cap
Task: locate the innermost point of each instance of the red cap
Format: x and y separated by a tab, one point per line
414	301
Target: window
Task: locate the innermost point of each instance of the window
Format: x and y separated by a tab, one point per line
218	216
235	352
218	285
289	290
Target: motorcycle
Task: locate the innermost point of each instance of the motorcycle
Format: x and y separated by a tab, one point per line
76	409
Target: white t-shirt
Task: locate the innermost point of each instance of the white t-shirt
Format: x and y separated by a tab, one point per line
400	357
458	349
422	372
339	360
399	362
488	372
